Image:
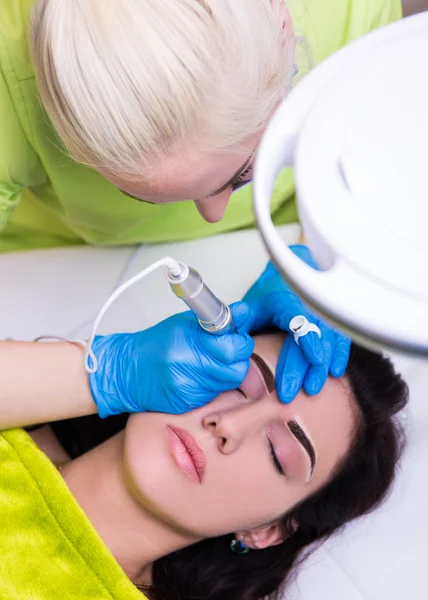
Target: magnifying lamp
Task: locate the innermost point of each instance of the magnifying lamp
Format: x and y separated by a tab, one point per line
356	132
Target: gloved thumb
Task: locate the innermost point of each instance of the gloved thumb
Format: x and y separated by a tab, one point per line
244	316
228	348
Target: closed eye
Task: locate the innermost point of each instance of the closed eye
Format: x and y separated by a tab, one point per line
275	460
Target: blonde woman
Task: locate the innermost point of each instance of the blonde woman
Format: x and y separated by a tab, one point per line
111	114
162	100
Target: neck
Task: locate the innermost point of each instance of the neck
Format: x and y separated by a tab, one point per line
135	537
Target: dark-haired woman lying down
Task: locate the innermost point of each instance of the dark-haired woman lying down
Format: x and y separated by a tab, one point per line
215	504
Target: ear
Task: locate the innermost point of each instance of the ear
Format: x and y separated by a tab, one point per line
265	536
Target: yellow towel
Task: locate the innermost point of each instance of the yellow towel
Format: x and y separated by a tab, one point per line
48	548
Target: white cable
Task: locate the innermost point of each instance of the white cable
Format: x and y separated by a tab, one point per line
131	260
124	273
174	269
57	338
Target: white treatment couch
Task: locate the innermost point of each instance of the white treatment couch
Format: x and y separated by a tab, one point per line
380	557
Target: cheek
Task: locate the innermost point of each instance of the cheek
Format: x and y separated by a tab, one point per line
240	491
144	456
151	475
243	492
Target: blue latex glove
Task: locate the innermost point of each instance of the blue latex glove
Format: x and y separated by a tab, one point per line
172	367
272	302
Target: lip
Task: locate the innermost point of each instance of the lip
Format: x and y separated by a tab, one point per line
186	452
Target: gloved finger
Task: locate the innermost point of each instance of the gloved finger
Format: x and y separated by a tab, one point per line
317	374
284	307
313	348
220	378
198	392
228	348
290	371
245	316
281	307
242	314
315	379
340	356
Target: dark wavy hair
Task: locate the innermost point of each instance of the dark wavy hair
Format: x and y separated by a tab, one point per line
209	570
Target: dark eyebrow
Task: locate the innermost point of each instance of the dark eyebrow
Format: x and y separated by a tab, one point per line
301	437
235	176
265	371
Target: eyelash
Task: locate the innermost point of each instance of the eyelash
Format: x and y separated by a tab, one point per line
241	392
244	174
275	460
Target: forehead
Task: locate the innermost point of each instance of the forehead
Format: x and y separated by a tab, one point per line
329	417
189	172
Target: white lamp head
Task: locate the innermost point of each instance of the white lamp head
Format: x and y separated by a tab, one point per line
356	132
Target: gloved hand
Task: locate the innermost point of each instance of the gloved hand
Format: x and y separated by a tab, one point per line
172	367
273	303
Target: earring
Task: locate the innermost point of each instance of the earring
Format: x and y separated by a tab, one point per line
238	547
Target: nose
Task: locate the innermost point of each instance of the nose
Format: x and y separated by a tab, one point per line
232	427
212	208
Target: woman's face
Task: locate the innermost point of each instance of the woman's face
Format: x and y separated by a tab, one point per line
243	460
207	178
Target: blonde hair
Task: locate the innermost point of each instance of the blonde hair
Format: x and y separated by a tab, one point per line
126	81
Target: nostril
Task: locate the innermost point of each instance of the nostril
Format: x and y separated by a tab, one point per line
210	425
223	445
214	425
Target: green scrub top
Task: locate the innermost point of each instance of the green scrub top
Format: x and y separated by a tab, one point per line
47	199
